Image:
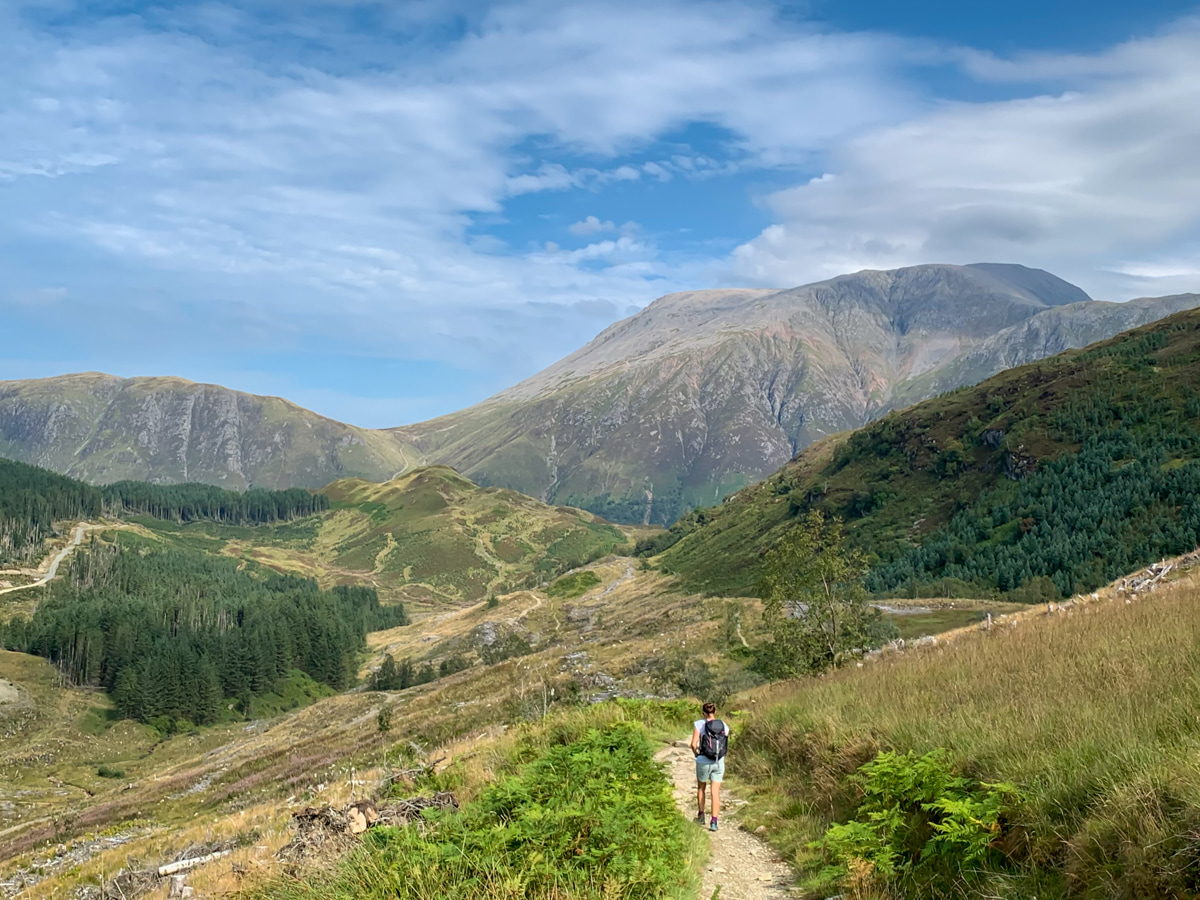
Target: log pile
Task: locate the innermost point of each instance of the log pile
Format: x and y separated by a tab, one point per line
321	831
1152	576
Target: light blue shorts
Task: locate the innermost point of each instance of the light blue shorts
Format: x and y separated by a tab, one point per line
707	770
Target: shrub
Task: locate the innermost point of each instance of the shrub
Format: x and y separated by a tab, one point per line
696	679
588	819
110	772
917	821
507	647
574	585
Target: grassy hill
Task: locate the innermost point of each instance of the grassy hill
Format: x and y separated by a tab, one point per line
587	640
1088	713
1040	482
427	536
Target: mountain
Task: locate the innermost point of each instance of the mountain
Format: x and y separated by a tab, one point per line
1044	481
704	392
698	395
104	429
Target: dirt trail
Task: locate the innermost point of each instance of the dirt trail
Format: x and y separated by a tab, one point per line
76	540
740	865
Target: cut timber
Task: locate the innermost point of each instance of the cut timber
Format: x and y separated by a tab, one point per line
184	864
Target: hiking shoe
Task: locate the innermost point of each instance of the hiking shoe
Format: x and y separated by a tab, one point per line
712	826
700	819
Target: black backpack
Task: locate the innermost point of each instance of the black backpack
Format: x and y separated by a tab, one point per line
714	743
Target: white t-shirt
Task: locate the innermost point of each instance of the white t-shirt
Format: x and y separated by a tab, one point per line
700	723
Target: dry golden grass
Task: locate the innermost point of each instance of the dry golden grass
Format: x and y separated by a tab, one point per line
1092	711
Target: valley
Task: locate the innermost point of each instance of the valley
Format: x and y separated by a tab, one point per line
200	665
240	782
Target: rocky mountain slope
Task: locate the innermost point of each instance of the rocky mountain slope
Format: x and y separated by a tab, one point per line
704	392
102	429
693	398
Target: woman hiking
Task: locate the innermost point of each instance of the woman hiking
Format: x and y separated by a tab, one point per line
710	741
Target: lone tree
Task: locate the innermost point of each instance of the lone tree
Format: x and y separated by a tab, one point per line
816	607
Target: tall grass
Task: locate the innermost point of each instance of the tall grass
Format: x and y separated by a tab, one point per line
1094	715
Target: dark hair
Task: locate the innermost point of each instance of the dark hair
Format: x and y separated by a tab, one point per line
710	708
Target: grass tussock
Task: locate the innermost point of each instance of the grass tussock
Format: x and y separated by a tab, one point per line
1091	714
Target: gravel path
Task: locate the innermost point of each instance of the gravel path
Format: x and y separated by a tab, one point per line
76	540
740	866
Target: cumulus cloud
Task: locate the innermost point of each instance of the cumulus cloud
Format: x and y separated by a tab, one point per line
591	225
1098	180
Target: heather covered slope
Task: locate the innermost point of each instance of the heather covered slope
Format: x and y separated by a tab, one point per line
705	392
1042	481
102	429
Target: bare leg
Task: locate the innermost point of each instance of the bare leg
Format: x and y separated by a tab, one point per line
716	798
700	795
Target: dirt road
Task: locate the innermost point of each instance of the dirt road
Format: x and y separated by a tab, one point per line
740	866
76	540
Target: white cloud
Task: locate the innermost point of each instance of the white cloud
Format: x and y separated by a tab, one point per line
287	168
1098	178
288	165
591	225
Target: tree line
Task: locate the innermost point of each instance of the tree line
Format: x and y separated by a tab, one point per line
32	499
175	635
204	502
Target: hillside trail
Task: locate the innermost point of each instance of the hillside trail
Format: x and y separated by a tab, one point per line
740	866
52	571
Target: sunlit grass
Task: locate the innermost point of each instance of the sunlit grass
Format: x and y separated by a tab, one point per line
1092	713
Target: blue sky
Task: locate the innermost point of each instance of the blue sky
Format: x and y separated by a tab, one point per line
386	211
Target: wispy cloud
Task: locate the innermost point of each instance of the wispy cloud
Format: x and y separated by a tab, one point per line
1098	180
336	173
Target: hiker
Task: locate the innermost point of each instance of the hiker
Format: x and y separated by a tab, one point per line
710	740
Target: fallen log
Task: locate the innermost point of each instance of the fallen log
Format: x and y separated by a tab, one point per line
184	864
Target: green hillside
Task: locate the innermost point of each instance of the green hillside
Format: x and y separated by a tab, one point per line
1087	715
1042	481
428	535
174	634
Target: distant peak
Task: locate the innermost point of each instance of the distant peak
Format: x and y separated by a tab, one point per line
1047	287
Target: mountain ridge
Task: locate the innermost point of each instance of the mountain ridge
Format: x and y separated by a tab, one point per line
694	397
1043	481
104	428
704	392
